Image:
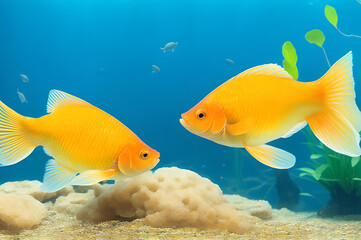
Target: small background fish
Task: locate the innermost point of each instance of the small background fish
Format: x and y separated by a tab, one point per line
169	46
229	61
21	96
156	69
24	78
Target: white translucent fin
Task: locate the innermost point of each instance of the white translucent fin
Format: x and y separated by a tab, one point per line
267	69
58	98
46	152
56	177
14	146
92	176
295	129
271	156
338	123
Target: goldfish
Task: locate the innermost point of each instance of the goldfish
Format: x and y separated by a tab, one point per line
87	144
169	46
265	103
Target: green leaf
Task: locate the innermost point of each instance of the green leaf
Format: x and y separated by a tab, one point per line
305	194
330	180
354	161
310	195
320	170
331	15
316	37
316	156
289	53
291	69
309	171
305	174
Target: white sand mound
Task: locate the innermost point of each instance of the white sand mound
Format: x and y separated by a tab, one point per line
32	188
20	211
169	197
258	208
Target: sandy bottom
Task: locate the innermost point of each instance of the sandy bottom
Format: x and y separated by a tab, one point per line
284	225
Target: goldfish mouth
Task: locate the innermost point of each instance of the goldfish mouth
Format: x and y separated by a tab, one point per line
184	122
156	162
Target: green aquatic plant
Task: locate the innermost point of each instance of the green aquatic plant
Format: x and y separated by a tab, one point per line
311	196
317	37
331	15
338	174
290	59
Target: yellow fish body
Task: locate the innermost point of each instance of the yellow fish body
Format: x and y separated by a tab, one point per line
88	145
264	103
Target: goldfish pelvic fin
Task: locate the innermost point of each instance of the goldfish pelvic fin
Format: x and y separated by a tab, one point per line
58	98
239	128
266	69
92	177
56	177
295	129
271	156
337	125
14	146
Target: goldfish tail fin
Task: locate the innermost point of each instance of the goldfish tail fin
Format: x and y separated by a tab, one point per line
338	124
14	146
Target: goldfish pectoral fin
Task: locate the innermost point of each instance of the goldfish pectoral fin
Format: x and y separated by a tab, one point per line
238	128
14	146
271	156
91	177
58	98
295	129
56	177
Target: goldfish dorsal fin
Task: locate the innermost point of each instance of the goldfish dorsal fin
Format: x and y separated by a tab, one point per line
58	98
267	69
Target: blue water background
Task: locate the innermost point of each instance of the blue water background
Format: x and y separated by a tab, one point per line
102	52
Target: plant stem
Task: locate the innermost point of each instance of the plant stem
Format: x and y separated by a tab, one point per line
268	191
326	56
349	35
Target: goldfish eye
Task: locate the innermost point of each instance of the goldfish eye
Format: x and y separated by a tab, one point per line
201	114
144	154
